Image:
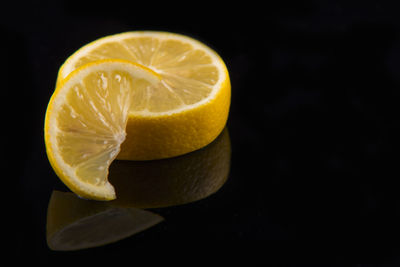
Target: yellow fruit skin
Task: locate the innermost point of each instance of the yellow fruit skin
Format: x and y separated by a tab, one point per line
168	136
173	181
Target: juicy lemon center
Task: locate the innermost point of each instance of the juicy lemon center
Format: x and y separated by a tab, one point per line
188	74
92	120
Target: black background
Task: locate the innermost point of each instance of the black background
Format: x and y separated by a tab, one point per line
314	126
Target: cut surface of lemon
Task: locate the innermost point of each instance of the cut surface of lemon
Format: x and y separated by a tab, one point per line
185	111
85	123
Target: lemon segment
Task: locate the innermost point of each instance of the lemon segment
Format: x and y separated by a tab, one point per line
86	120
185	111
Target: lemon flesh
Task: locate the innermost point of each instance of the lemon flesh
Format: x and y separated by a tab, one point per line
182	113
85	123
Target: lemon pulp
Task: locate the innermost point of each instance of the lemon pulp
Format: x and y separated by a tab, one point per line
86	120
185	111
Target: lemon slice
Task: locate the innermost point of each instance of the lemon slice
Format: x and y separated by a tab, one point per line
185	111
85	123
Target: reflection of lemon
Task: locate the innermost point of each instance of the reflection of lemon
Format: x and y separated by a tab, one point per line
182	113
74	223
174	181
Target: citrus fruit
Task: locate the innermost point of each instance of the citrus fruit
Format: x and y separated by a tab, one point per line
174	181
85	123
74	223
185	111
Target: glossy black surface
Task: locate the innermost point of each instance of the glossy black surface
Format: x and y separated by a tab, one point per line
313	126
